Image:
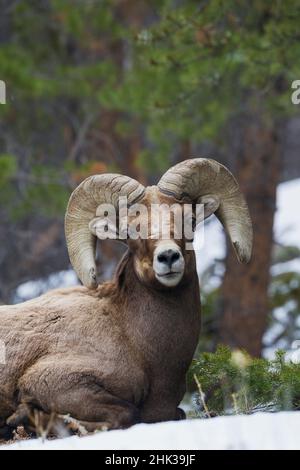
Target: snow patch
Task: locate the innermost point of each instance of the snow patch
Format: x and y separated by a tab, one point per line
287	217
261	431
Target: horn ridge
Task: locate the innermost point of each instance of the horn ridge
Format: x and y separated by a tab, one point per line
82	206
197	177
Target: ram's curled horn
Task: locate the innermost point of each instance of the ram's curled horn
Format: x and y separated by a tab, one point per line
84	201
200	179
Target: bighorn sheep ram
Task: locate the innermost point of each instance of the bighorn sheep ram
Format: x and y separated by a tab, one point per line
117	354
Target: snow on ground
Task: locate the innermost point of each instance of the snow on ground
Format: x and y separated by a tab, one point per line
262	431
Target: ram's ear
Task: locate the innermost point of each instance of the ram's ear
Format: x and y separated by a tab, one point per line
211	204
104	228
107	228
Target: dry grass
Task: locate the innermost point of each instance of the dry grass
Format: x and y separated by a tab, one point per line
46	427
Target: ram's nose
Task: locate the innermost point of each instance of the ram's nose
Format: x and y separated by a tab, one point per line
168	257
168	263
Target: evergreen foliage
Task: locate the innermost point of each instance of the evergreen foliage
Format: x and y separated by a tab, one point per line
203	63
233	382
191	68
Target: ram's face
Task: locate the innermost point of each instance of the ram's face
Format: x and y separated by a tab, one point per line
160	254
159	263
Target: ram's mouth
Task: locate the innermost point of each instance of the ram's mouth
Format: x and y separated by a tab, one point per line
170	274
170	279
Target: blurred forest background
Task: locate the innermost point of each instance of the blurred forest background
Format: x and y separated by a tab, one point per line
135	86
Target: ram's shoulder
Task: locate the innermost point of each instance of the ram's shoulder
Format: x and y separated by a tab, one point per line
103	290
67	292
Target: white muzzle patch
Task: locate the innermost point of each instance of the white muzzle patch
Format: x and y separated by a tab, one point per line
168	263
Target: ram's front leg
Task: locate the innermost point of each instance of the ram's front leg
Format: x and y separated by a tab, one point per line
6	431
41	423
62	391
162	403
154	413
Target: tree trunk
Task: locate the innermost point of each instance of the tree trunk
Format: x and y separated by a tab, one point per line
244	295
